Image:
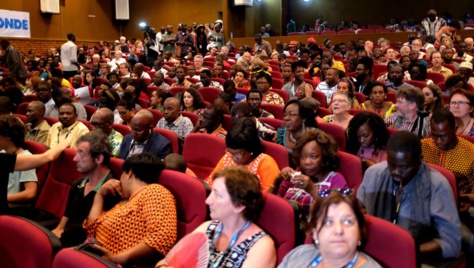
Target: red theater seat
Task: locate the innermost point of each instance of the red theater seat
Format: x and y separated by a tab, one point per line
72	258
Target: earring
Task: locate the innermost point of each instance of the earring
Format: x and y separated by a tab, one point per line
359	243
129	180
316	242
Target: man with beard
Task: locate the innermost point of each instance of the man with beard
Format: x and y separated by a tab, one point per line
211	122
395	79
92	159
405	191
329	59
461	54
447	54
364	82
254	99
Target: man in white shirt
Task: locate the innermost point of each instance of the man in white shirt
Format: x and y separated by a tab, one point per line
69	57
117	60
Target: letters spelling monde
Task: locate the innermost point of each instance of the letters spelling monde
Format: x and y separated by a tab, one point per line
13	24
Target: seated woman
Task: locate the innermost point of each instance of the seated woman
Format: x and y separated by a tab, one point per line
433	98
240	79
22	185
126	110
461	104
378	103
418	73
341	104
315	153
244	148
367	137
346	86
192	101
158	98
91	79
143	227
234	239
299	117
336	216
454	82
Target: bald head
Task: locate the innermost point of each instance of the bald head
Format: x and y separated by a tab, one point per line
106	114
38	105
138	68
144	116
103	119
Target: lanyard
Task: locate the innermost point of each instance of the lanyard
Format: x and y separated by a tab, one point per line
232	241
398	194
319	259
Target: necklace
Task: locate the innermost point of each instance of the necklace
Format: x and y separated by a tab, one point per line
470	120
292	139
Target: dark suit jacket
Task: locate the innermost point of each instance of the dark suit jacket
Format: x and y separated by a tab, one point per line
156	144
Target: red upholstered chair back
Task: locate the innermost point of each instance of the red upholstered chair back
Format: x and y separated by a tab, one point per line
122	129
322	112
387	242
144	103
336	132
220	80
227	124
190	195
116	166
193	80
171	136
392	96
418	84
351	168
276	74
282	93
202	153
18	235
22	118
176	90
449	176
391	131
378	69
360	97
281	230
275	123
277	83
451	67
29	98
278	152
194	117
319	96
435	77
90	110
51	120
22	107
86	123
72	258
157	115
63	172
209	93
169	81
41	172
276	110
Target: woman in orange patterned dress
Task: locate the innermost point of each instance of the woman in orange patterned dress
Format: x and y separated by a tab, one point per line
143	227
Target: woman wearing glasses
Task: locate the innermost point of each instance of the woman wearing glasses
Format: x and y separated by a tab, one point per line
378	101
341	104
461	104
245	149
339	233
315	153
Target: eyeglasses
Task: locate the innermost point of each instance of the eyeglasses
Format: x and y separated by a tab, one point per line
443	137
341	191
460	103
339	101
235	154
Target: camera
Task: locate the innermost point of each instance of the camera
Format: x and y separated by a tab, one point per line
144	26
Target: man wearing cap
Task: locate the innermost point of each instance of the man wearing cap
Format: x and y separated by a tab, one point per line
293	47
465	70
261	44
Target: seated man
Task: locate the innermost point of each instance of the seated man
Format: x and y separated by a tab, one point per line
139	70
211	122
447	150
173	120
159	81
329	59
465	70
192	72
437	61
254	100
92	160
206	80
405	191
103	120
242	109
329	86
395	79
410	100
461	53
180	76
61	96
143	139
37	128
264	82
229	88
67	129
